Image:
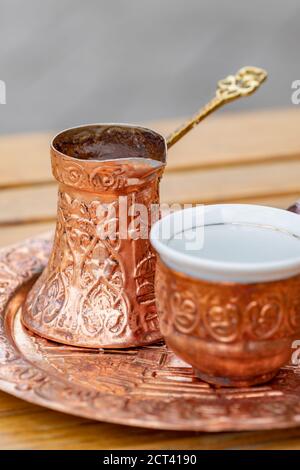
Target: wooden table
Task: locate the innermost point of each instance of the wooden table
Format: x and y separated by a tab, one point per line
231	158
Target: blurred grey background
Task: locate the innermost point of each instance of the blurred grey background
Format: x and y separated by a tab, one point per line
67	62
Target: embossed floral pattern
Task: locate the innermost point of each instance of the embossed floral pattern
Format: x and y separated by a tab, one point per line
108	177
224	314
222	321
265	317
87	294
104	179
185	312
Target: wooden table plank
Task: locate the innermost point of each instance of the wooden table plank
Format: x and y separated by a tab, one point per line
13	233
16	233
24	159
237	138
227	139
229	184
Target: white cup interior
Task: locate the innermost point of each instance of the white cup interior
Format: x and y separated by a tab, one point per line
230	242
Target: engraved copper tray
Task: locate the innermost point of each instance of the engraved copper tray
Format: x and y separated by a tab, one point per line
146	386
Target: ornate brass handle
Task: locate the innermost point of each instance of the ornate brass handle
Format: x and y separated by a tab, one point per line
244	83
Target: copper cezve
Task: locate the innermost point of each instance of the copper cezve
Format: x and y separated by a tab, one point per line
99	292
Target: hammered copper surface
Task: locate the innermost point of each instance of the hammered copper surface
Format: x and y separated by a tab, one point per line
98	291
145	386
233	334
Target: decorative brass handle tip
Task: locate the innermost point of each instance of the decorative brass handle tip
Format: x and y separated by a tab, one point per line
244	83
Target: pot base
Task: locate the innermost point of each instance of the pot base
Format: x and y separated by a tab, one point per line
68	341
236	381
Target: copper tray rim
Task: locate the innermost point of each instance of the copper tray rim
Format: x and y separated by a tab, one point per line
37	249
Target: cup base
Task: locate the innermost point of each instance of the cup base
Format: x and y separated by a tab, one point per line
236	381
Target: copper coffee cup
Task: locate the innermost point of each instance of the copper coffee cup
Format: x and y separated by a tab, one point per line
99	292
233	321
